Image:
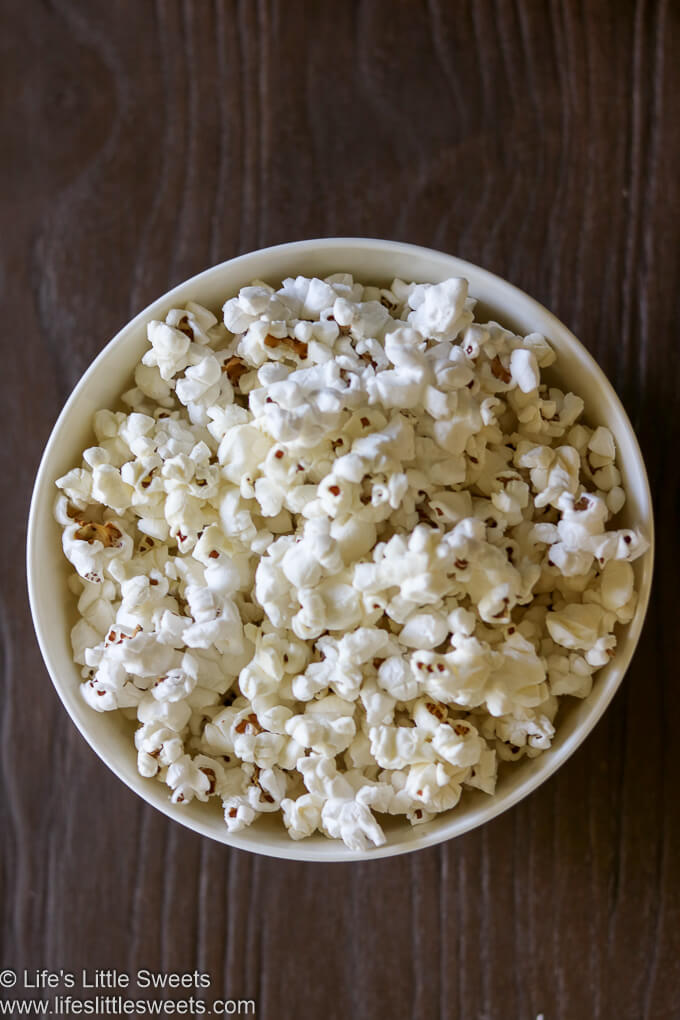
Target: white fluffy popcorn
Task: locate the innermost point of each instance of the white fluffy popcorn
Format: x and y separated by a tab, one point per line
344	552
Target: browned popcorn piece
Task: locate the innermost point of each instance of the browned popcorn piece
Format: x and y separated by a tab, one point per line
108	534
298	347
115	637
249	725
210	773
499	370
258	783
184	327
235	368
438	710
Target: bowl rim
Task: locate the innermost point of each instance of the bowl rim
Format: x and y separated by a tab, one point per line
546	765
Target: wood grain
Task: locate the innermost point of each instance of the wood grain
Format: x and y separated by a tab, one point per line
144	141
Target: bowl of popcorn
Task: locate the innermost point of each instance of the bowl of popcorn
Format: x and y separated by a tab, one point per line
339	549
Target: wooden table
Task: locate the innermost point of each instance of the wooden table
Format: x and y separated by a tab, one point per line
143	141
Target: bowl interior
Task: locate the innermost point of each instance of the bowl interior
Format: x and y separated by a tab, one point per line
376	262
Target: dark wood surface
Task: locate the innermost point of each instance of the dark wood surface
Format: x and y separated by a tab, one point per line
143	142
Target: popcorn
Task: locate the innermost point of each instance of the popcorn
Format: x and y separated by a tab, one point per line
241	451
172	715
602	443
616	585
302	816
379	707
483	775
616	499
157	746
326	726
268	790
395	747
437	787
252	743
109	489
169	349
352	822
424	630
77	485
440	310
576	626
454	740
524	369
200	383
198	777
569	674
396	677
342	553
518	681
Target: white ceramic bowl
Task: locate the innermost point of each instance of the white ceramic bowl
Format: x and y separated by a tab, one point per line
371	261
